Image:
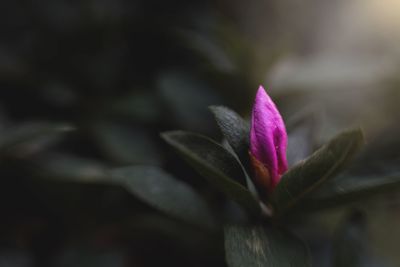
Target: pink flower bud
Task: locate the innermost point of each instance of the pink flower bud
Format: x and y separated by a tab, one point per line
268	142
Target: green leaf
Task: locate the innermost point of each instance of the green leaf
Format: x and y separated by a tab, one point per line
349	188
254	246
235	129
324	164
165	193
70	168
216	164
376	171
126	146
29	132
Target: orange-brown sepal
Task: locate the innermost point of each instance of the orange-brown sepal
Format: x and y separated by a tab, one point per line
261	174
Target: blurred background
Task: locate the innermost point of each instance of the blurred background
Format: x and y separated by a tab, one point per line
86	86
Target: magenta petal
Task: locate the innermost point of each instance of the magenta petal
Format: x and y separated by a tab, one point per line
268	137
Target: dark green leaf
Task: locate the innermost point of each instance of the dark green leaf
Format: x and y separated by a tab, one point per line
317	169
70	168
348	188
254	246
29	132
216	164
376	171
236	132
235	129
160	190
124	145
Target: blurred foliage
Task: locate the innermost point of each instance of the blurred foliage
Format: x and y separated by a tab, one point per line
116	73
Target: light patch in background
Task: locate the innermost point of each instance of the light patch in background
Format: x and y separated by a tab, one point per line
346	62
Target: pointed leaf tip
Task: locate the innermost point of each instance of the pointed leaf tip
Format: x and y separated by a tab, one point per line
235	129
216	164
165	193
320	167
